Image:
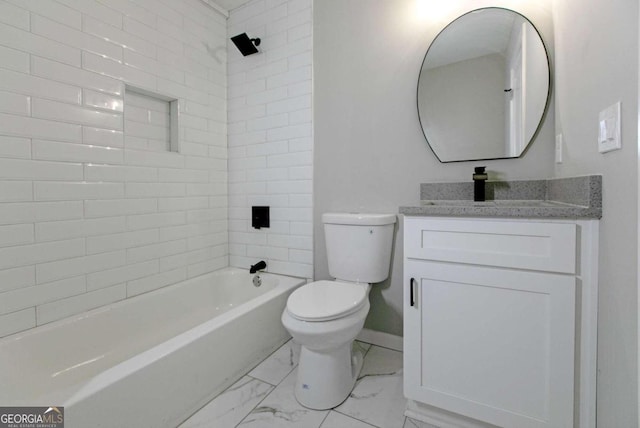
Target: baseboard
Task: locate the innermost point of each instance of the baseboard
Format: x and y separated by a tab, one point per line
440	418
379	338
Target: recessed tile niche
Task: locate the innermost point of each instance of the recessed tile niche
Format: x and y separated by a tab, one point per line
150	121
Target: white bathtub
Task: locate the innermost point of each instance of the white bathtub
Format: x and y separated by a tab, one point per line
149	361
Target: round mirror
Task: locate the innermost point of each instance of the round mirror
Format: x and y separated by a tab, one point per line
483	87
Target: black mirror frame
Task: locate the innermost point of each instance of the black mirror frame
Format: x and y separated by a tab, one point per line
546	105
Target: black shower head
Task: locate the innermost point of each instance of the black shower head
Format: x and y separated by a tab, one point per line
245	45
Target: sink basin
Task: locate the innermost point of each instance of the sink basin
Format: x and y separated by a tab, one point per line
529	208
507	203
581	197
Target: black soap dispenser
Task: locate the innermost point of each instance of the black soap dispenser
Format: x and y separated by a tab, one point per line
479	178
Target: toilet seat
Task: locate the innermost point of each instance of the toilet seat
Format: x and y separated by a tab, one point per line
326	300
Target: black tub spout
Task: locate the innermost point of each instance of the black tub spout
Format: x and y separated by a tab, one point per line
258	266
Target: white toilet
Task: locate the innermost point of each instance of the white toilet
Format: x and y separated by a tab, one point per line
326	316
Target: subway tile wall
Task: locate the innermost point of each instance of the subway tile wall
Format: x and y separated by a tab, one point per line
270	136
93	208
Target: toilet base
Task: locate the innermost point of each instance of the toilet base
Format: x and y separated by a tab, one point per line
326	378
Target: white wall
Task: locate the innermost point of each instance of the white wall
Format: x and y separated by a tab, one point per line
270	136
88	215
594	70
369	151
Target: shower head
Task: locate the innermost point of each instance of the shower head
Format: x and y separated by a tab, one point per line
245	45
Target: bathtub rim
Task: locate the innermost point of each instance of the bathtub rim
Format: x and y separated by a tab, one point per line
109	306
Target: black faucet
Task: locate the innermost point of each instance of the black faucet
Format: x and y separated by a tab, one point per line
258	266
479	178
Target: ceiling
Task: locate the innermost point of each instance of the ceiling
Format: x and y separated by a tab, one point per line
229	4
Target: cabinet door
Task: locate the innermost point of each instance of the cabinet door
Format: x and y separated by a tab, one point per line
496	345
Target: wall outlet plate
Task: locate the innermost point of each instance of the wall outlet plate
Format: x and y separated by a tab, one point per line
609	129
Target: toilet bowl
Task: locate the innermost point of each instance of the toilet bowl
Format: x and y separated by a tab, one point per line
325	317
327	368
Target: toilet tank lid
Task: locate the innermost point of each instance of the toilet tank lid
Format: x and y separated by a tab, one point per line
363	219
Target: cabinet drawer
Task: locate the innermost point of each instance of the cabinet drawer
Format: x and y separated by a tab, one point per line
523	245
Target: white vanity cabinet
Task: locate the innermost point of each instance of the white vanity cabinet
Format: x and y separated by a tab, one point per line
499	321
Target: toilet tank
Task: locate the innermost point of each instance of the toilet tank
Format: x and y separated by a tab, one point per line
359	245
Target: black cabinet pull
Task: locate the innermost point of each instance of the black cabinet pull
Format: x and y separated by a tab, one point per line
412	295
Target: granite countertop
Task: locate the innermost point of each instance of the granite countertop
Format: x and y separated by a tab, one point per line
575	197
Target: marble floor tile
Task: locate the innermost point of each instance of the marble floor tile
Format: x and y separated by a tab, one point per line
230	407
412	423
338	420
377	397
281	410
254	401
364	346
278	365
